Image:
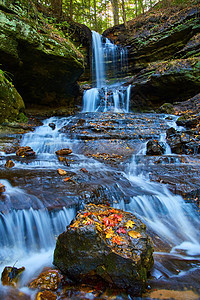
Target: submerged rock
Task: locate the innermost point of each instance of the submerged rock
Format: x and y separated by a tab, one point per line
2	188
46	295
25	152
48	280
52	125
9	164
109	243
11	275
64	152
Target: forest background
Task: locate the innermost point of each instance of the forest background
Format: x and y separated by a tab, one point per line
97	15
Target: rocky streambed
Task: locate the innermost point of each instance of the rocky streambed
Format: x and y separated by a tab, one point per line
107	163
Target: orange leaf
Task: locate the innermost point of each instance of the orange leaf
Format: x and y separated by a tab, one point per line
134	234
67	178
75	224
117	240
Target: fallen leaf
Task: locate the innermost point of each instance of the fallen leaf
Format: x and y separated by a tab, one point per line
98	227
117	240
121	230
88	221
67	178
61	172
75	224
109	233
134	234
84	170
129	224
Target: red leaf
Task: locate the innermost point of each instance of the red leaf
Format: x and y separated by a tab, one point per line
121	230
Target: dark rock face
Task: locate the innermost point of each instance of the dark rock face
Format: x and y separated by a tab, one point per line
168	81
160	34
106	242
45	66
154	148
182	142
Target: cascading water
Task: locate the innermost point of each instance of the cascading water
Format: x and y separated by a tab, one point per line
109	61
28	235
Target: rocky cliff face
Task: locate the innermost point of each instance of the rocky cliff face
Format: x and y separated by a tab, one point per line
44	65
161	43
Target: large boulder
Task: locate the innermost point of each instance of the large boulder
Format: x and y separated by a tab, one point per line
44	64
106	242
11	103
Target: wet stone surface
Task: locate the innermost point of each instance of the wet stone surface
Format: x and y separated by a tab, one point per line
109	243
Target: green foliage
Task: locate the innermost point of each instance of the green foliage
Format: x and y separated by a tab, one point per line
5	77
97	15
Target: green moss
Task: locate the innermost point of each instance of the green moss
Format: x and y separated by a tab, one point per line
11	103
22	118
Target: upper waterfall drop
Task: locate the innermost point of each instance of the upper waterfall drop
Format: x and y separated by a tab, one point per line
109	62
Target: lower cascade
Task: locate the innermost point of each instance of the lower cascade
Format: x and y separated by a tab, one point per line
28	235
108	61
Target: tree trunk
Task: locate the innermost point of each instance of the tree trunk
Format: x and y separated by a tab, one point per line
124	14
142	5
95	16
136	8
71	9
56	6
115	11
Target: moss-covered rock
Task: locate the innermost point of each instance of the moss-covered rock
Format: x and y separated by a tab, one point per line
11	103
45	65
106	242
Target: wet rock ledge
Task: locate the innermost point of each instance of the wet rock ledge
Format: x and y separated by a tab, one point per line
106	243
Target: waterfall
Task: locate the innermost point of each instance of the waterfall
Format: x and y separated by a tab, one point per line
109	61
25	231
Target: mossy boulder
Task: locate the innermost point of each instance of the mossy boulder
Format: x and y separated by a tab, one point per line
109	243
11	103
166	108
44	64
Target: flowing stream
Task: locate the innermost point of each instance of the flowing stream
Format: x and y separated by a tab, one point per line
28	234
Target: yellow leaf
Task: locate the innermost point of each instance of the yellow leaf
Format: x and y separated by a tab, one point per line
134	234
129	224
109	233
75	224
98	227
